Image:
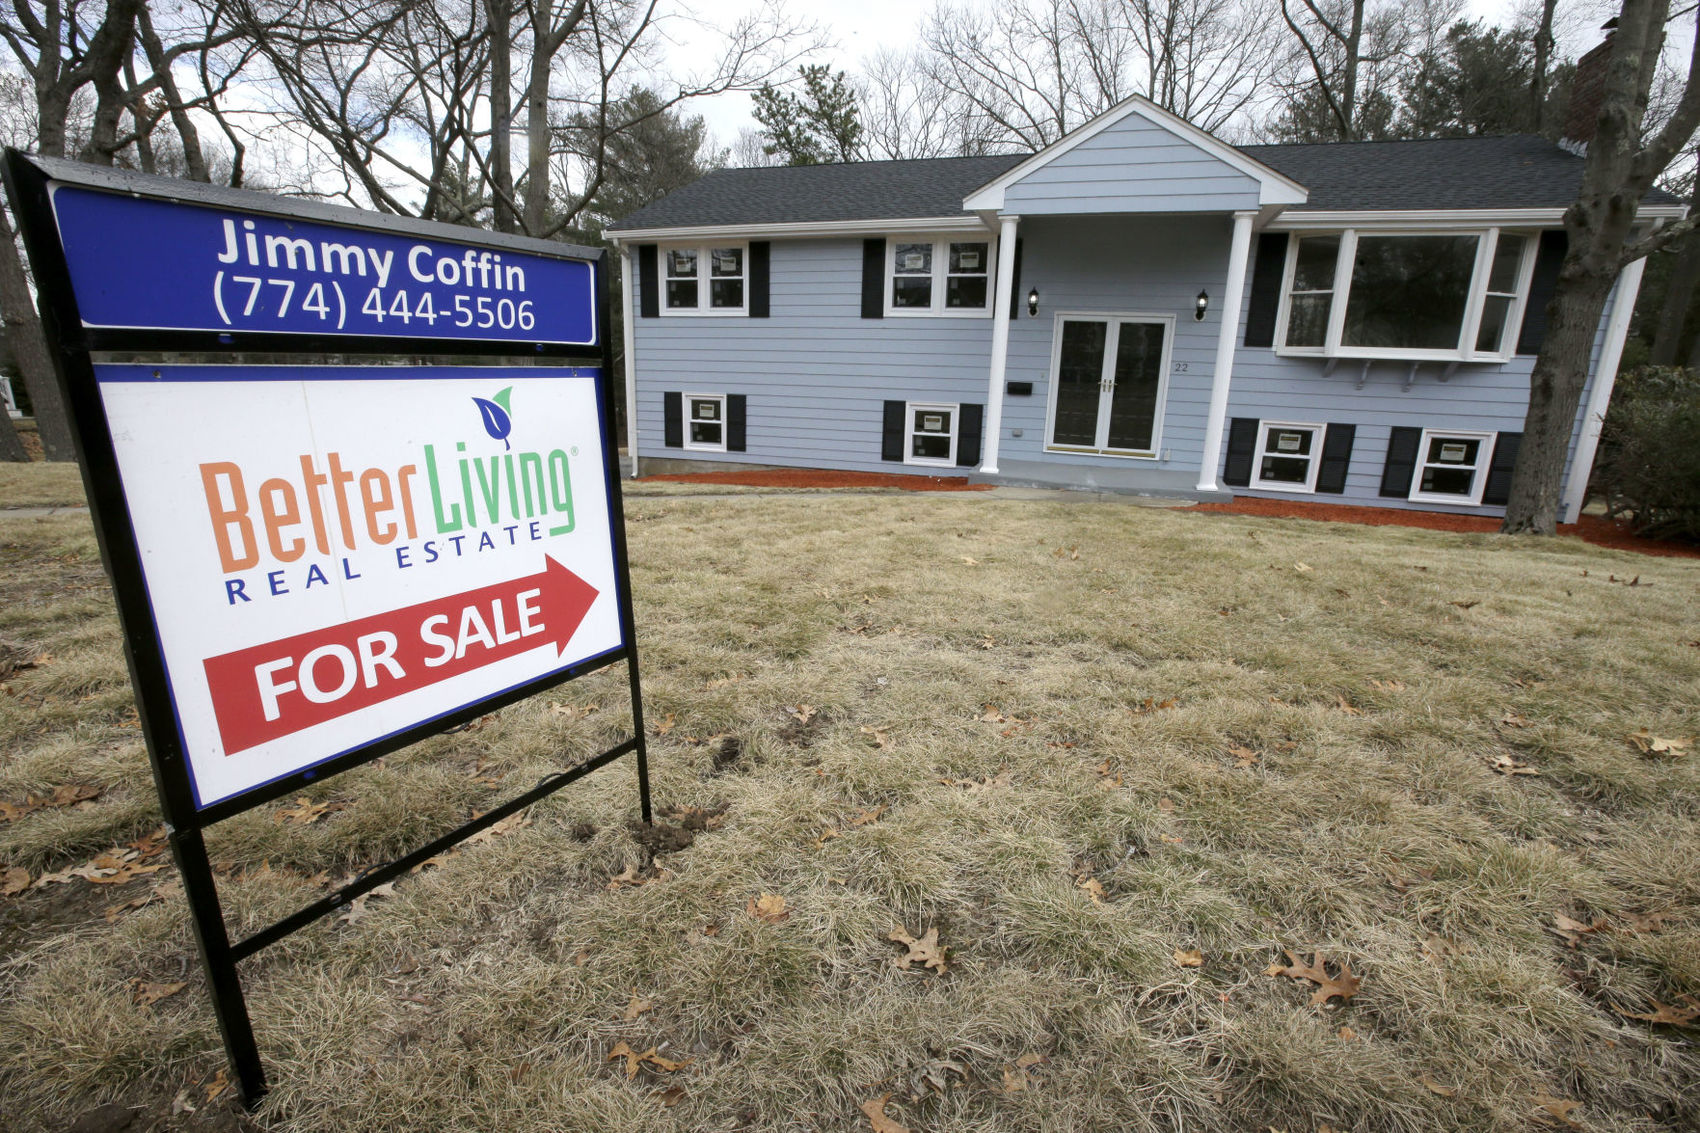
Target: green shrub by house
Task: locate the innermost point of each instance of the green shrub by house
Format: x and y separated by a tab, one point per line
1648	469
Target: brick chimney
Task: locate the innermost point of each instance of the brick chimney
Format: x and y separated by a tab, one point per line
1587	91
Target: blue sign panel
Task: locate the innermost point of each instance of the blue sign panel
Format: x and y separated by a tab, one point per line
164	265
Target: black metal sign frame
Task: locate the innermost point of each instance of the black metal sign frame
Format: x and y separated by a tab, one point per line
29	181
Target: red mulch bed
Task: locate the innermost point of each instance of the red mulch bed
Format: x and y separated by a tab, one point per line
823	478
1592	529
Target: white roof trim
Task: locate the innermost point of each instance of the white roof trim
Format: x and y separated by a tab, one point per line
1291	221
800	229
1273	188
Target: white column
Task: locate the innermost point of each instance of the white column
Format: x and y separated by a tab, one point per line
1611	353
1226	335
628	333
1000	344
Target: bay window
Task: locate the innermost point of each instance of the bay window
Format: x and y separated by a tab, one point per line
942	276
706	279
1450	296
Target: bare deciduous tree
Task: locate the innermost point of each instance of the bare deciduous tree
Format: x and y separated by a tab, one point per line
1621	167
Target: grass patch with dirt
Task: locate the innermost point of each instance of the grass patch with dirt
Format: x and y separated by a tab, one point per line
1120	761
40	484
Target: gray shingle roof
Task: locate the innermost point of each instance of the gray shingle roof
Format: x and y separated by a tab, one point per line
863	190
1519	171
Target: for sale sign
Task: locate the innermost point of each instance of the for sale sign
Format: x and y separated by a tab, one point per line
336	553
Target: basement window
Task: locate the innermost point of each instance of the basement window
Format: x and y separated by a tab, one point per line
1287	456
705	423
1452	467
931	435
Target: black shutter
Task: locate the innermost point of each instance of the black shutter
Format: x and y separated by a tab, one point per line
873	280
649	293
1015	284
1548	260
735	413
1336	458
968	421
1498	489
673	419
760	251
1242	447
891	441
1402	445
1266	277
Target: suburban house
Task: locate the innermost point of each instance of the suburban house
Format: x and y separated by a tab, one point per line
1139	306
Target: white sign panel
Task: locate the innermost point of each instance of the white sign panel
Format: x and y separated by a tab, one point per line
337	554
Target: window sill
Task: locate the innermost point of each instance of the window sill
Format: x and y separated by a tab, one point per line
1115	453
1444	501
1289	489
952	313
1377	354
687	313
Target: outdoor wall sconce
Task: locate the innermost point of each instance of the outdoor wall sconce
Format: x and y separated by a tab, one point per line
1201	305
1033	301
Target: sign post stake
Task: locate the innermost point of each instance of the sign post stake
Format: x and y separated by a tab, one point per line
242	613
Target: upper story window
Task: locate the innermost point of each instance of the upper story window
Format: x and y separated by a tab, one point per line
1454	296
704	279
944	276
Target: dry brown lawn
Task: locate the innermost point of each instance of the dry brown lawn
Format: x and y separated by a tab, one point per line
1119	759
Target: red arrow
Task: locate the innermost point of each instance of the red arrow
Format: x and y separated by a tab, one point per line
266	691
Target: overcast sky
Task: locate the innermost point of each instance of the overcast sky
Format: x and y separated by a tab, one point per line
860	27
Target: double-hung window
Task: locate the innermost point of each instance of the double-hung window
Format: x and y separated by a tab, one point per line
931	434
705	426
1452	467
1288	455
1363	293
938	276
705	279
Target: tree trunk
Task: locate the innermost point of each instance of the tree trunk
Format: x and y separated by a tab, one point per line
29	347
1555	394
1349	96
499	19
108	48
11	445
1543	62
537	143
194	159
1679	291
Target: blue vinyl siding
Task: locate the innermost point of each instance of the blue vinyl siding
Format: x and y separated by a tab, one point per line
1477	398
1132	166
1119	266
816	373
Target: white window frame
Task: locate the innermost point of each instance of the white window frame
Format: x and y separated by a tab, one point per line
1486	241
690	418
1478	485
941	243
1110	343
704	250
910	409
1319	434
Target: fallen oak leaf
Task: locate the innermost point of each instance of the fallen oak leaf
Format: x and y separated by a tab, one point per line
671	1096
1189	958
875	1111
1560	1108
632	1057
1506	765
1512	720
1015	1077
1667	1015
926	951
803	712
1572	931
637	1007
769	907
865	815
826	836
665	725
880	738
1434	1087
1093	887
1243	757
15	881
1648	744
1345	984
147	994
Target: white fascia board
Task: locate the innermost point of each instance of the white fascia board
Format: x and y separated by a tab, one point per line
799	230
1274	188
1308	219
